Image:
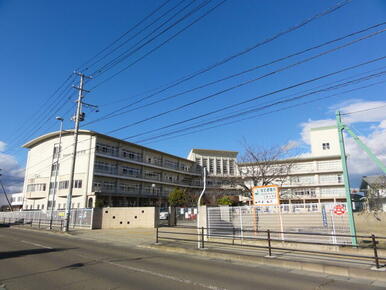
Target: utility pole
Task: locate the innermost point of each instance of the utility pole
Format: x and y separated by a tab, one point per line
6	196
204	174
343	157
77	118
57	170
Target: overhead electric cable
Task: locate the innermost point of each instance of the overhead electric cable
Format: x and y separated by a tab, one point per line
326	12
262	114
81	67
259	108
160	45
130	51
364	110
119	112
244	83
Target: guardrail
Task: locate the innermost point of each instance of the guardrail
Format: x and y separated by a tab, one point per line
202	237
57	224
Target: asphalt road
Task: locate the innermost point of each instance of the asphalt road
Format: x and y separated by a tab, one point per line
39	260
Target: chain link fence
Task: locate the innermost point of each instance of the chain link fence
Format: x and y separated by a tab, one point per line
80	218
253	221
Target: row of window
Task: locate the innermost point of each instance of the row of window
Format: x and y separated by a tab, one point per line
223	166
36	187
109	186
65	183
41	206
136	156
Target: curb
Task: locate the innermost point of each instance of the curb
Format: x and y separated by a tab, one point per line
347	272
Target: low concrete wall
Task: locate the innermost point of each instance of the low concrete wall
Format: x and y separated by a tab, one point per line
370	223
127	217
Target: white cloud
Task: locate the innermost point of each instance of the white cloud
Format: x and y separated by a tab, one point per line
358	161
3	146
12	174
305	134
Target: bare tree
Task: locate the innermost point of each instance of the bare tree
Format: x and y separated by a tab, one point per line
263	166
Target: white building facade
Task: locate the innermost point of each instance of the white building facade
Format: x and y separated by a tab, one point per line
107	170
317	176
113	172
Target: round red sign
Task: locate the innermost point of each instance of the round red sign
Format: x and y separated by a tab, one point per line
339	209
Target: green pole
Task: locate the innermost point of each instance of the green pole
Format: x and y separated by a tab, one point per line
366	149
343	157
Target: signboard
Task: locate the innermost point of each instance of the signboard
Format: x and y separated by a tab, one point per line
324	217
265	195
339	209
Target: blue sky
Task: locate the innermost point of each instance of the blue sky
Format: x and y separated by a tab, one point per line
44	41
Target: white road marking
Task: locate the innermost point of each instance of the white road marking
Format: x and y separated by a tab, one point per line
36	245
186	281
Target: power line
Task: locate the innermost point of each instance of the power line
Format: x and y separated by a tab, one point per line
119	111
364	110
259	107
263	114
242	84
231	57
130	51
160	45
36	117
119	38
260	96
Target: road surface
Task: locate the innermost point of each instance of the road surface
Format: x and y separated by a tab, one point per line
40	260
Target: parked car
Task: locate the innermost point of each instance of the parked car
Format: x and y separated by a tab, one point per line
164	214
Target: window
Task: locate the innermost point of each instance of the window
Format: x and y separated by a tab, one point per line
152	175
36	187
231	167
171	164
131	155
78	183
131	171
340	178
56	151
211	165
326	146
225	166
55	167
218	166
63	184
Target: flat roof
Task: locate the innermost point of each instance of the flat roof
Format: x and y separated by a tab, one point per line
201	151
295	159
51	135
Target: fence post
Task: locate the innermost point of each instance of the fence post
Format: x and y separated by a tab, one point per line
32	221
233	236
156	234
202	238
39	224
375	251
269	243
61	225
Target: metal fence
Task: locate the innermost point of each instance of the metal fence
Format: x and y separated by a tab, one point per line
368	252
80	218
186	216
288	219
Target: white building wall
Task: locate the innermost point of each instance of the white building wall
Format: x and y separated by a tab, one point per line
324	141
39	171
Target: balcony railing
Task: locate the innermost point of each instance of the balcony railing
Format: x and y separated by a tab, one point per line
152	161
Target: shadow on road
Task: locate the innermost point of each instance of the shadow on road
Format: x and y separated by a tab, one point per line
15	254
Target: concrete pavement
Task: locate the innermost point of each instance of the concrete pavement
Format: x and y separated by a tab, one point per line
40	260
